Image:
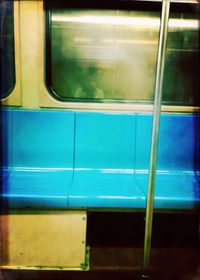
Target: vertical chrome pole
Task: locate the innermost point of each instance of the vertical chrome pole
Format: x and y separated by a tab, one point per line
155	133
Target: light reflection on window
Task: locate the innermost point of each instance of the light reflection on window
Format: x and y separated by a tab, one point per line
110	55
101	55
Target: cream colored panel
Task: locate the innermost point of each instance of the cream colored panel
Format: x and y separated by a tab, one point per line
44	240
14	99
29	52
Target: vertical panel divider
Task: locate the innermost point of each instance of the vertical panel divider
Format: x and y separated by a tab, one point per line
155	134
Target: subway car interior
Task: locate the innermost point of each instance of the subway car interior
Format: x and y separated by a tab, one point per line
100	139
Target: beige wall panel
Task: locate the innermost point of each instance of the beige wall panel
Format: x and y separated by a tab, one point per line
29	47
42	240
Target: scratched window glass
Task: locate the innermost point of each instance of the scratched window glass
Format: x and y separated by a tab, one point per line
109	55
7	63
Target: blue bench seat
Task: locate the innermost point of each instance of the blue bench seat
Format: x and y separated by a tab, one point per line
96	189
36	188
37	157
106	189
61	159
174	190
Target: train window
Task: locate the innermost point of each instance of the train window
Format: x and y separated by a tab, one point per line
106	51
100	53
7	63
182	70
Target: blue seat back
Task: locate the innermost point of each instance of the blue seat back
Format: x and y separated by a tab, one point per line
177	142
38	139
104	141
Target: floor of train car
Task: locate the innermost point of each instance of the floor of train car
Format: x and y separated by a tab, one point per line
116	249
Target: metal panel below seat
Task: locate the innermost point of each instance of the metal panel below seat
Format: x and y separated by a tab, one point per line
44	240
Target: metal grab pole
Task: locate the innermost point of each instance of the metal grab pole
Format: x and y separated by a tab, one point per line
155	133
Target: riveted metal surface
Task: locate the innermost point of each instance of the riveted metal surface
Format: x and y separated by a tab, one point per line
43	240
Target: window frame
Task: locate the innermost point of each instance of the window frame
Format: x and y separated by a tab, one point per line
14	97
48	99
